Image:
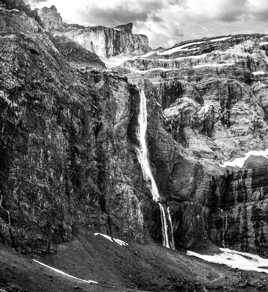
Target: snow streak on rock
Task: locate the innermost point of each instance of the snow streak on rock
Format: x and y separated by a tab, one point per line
118	241
65	274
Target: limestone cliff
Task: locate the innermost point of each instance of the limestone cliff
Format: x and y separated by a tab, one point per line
212	96
65	157
104	41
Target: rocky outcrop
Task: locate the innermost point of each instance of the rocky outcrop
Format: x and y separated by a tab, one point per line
125	27
51	19
76	55
104	41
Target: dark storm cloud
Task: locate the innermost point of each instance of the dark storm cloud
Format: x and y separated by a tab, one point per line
123	13
261	16
156	18
114	17
233	10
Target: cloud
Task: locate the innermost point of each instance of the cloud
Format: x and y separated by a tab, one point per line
168	21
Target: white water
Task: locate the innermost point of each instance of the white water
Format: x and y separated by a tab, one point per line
164	226
142	153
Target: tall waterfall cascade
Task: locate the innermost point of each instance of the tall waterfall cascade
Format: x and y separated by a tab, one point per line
143	158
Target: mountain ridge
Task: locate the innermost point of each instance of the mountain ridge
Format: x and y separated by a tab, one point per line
104	41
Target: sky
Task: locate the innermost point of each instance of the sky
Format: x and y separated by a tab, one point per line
167	22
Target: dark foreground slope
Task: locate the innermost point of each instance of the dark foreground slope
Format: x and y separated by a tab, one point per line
117	268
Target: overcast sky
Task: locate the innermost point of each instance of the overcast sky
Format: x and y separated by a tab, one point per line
166	22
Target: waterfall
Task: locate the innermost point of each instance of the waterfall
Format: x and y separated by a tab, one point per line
142	154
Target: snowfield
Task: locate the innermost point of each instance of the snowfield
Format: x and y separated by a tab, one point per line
214	65
236	260
256	73
180	48
220	39
239	162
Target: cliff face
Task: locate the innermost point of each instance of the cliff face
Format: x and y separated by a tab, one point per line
68	140
212	95
238	210
76	55
105	42
65	157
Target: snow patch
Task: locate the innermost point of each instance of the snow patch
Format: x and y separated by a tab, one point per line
236	260
220	39
180	48
204	109
117	61
263	43
65	274
214	65
184	58
185	46
176	59
239	162
152	70
148	54
256	73
118	241
15	10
